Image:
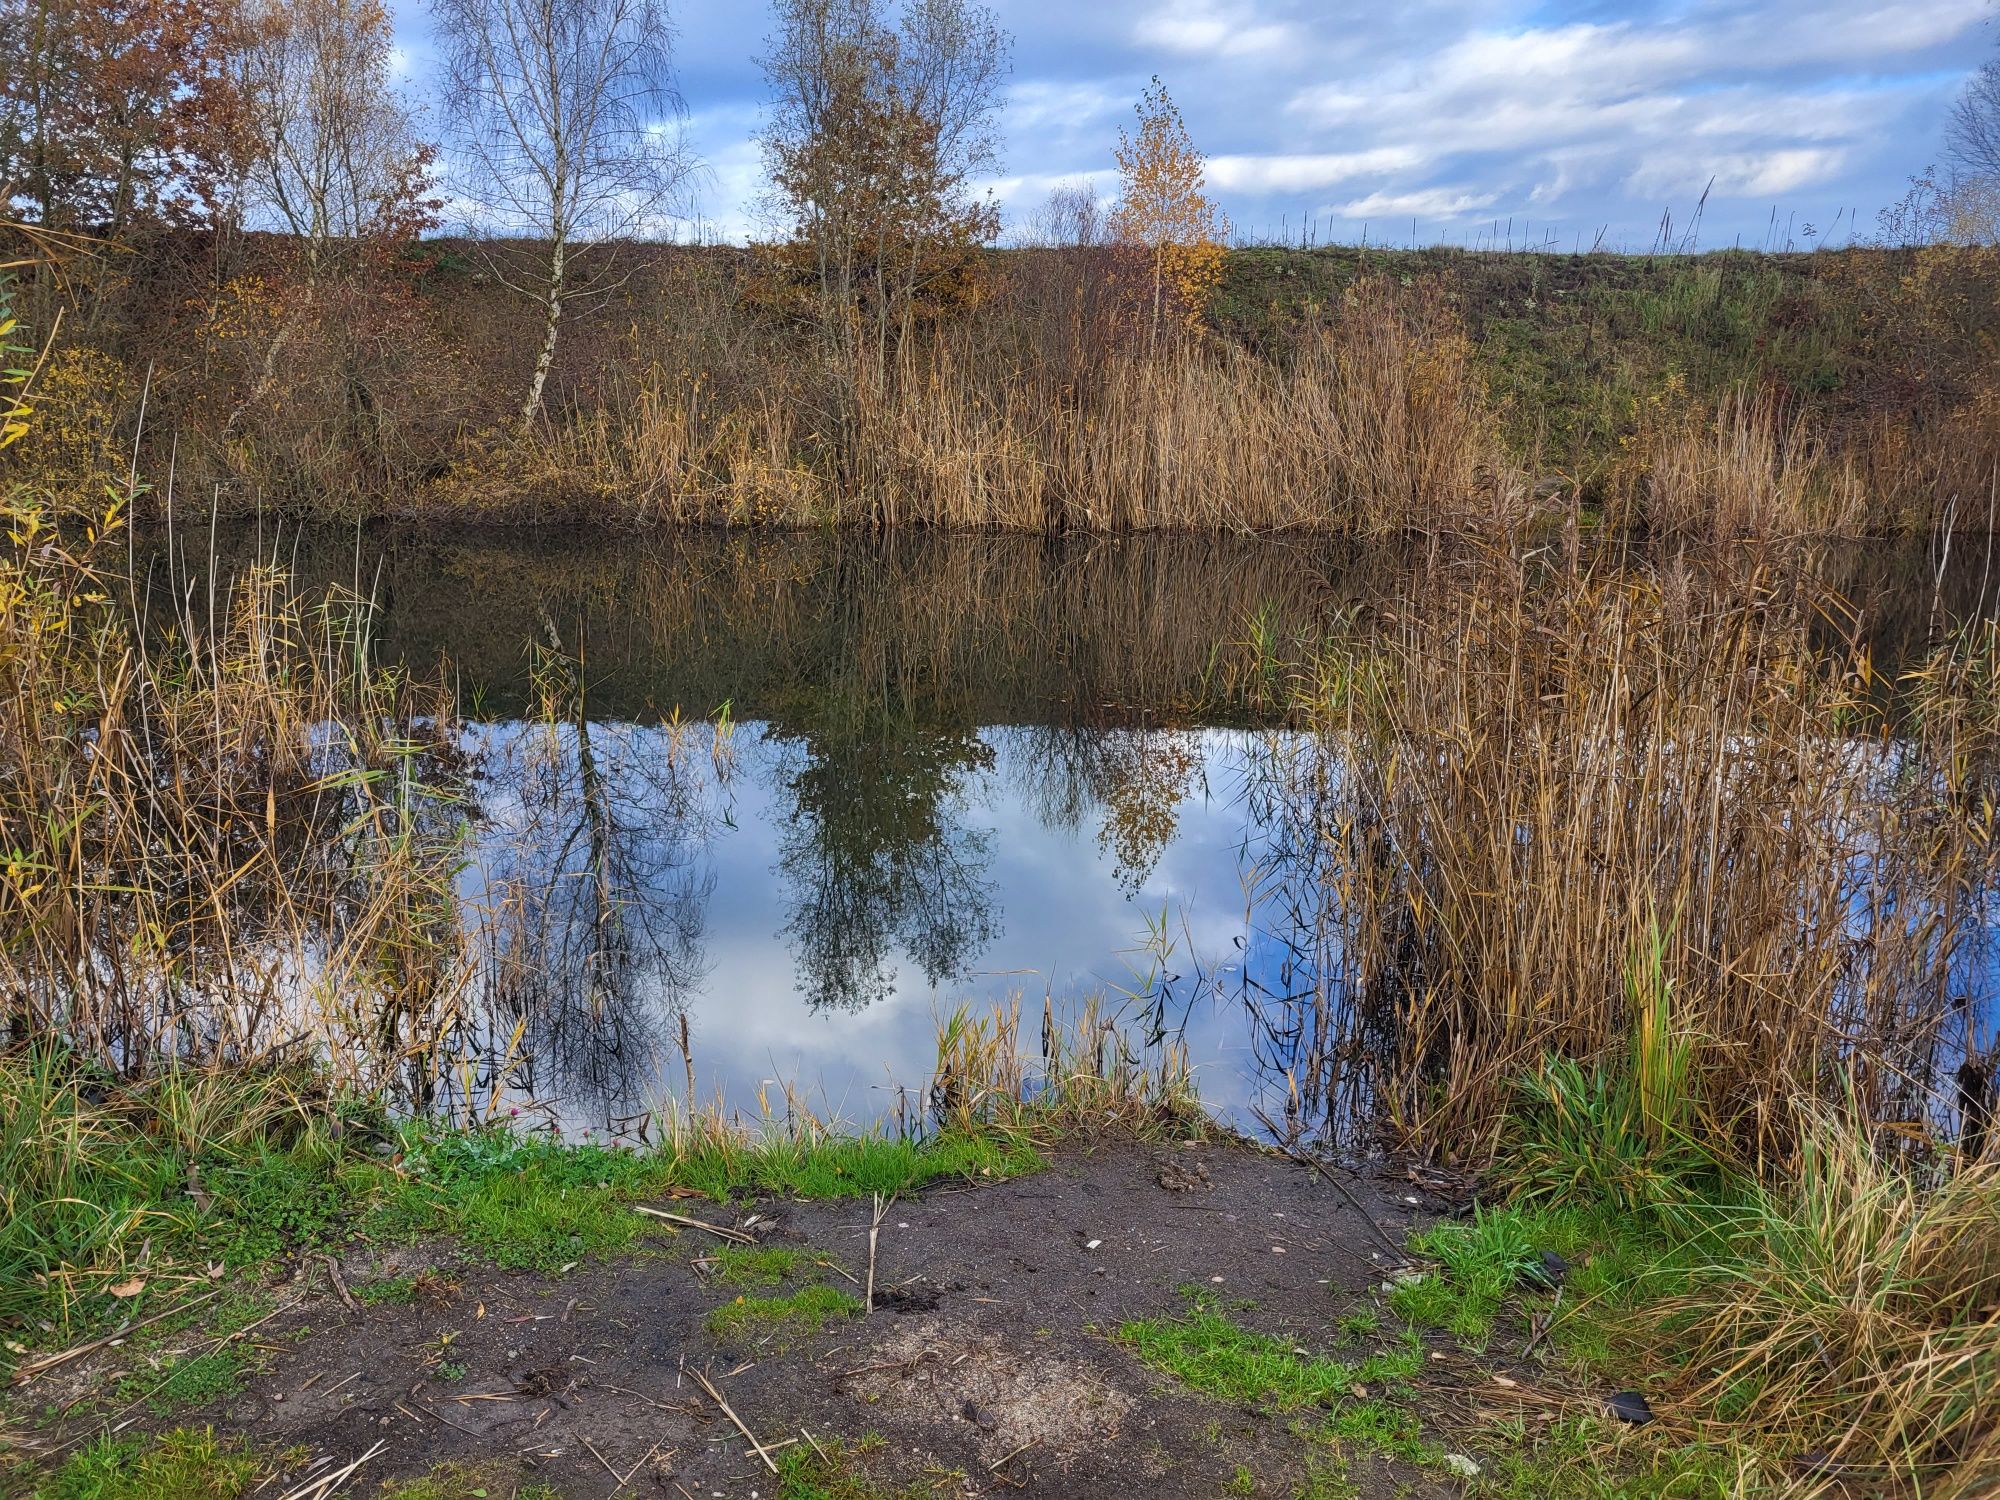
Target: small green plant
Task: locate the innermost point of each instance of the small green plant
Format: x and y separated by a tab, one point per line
394	1289
179	1465
757	1265
1358	1326
1624	1132
1212	1354
189	1380
833	1470
777	1321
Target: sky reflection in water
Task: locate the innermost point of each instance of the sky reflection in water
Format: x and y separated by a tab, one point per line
816	912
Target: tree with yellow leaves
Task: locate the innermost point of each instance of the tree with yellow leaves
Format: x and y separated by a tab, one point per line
1162	207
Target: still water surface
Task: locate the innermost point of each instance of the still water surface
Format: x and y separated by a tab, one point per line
809	794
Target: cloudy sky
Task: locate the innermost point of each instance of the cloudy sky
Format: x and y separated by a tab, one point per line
1571	118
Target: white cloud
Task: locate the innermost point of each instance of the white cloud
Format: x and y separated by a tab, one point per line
1302	173
1426	203
1740	174
1201	28
1037	105
1583	113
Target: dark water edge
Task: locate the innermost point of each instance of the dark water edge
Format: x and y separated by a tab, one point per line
997	627
812	791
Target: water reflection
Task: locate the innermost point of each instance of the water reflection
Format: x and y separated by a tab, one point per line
959	770
809	906
877	851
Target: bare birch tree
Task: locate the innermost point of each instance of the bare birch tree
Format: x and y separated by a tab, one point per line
563	127
1972	131
334	155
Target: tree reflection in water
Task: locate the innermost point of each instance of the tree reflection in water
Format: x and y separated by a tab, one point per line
876	851
592	880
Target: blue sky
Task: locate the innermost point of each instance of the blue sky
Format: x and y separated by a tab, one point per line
1434	117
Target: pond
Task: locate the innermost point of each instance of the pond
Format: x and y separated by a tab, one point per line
759	812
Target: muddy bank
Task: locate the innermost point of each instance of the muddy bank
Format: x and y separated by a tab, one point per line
992	1360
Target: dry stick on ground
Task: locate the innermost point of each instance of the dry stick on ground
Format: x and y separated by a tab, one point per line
340	1284
615	1479
996	1467
27	1372
319	1489
751	1437
736	1236
1306	1158
640	1464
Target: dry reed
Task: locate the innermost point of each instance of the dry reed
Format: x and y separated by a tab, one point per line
1374	423
229	834
1541	774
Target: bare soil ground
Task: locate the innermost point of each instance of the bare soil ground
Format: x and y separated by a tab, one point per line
989	1364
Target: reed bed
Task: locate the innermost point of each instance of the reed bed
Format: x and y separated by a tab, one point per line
1757	468
231	837
1554	801
1374	422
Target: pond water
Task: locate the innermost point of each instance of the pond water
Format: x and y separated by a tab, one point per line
773	806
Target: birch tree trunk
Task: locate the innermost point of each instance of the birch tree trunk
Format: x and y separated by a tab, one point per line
531	408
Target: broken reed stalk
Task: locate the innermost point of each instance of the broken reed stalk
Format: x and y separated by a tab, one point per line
325	1485
874	1233
734	1236
741	1426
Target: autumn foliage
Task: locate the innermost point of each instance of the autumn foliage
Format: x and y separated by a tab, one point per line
1164	209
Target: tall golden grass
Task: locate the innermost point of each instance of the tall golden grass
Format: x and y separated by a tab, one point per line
1860	1304
1374	422
1542	771
1756	468
229	835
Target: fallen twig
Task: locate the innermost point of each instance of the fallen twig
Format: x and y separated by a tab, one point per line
320	1488
995	1468
24	1373
340	1284
1306	1158
736	1236
751	1437
616	1478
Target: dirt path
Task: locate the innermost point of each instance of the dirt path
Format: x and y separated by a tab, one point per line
990	1362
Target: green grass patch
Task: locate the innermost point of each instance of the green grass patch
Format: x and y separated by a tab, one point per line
180	1465
854	1167
536	1204
243	1167
759	1265
190	1380
390	1290
836	1471
1209	1353
1578	1458
778	1321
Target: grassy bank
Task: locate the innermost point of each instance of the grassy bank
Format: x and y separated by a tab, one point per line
126	1195
1834	1335
1829	1335
1333	390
